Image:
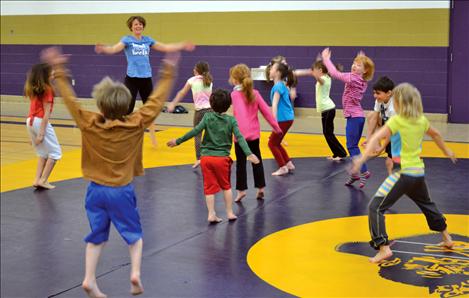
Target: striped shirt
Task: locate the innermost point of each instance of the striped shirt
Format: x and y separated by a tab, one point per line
355	87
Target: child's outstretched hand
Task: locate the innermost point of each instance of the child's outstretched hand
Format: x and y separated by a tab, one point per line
326	54
452	156
39	139
172	143
53	56
252	158
170	108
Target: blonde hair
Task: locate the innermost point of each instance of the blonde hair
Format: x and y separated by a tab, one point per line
409	101
369	66
112	98
242	74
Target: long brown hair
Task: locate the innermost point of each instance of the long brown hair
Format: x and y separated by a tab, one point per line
203	69
286	74
38	80
242	74
274	60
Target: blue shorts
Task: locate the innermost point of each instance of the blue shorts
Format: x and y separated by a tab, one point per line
104	204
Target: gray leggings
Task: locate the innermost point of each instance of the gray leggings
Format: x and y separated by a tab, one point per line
392	189
198	116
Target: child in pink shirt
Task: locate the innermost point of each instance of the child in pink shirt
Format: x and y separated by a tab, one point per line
355	86
247	102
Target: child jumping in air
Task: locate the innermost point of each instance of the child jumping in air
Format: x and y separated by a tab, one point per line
215	162
382	112
111	157
247	102
355	86
412	125
41	132
201	85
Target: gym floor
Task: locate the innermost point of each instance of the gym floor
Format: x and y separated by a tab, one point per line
307	238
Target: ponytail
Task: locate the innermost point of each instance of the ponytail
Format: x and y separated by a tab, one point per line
203	69
291	78
207	79
242	74
248	89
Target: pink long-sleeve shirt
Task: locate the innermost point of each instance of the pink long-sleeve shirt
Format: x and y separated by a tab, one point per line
246	114
355	87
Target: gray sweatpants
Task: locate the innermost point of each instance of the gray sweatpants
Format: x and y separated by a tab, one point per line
392	189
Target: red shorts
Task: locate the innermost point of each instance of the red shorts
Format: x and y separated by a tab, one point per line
217	173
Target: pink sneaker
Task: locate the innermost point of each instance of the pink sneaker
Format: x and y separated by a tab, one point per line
363	177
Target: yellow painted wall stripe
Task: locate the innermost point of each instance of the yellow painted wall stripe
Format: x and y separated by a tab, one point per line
387	27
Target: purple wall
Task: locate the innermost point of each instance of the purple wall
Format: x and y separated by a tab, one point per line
458	66
425	67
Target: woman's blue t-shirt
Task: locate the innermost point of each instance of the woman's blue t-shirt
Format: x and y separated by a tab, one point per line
137	52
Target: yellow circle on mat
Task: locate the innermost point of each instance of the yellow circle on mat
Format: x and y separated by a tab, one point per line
303	260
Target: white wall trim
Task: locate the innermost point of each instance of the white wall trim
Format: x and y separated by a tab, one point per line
109	7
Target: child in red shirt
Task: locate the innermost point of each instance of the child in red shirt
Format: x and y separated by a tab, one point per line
43	138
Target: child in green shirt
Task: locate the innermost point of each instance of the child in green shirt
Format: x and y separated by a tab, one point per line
215	161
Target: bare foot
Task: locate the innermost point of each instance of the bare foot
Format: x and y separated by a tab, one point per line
382	255
196	164
45	185
241	195
290	166
232	216
213	219
92	290
446	244
447	241
260	195
136	287
334	158
281	171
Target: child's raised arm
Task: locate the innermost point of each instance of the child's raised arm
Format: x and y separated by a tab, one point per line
54	57
332	70
436	136
302	72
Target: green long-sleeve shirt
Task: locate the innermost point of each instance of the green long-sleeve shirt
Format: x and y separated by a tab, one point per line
218	135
